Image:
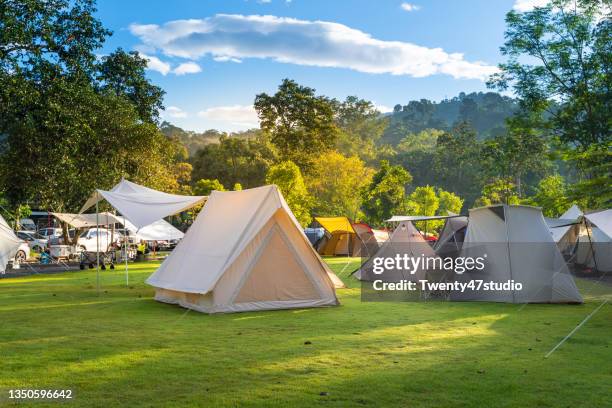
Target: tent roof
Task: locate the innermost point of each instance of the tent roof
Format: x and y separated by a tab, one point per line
336	224
223	229
400	218
160	230
142	205
87	220
603	220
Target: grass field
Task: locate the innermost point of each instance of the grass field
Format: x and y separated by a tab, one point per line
124	348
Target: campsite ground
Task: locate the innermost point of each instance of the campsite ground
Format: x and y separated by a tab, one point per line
123	347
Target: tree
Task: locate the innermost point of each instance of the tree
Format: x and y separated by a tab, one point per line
514	155
449	202
423	201
300	123
457	162
559	65
416	153
361	126
336	183
551	195
123	73
386	193
288	178
235	160
498	191
237	187
206	186
65	132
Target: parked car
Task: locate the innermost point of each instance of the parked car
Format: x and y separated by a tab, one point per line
88	241
22	254
27	224
36	242
59	240
50	232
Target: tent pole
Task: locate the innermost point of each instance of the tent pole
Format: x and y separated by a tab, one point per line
97	249
125	242
508	246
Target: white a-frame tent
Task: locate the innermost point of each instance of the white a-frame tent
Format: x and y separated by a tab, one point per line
517	246
245	251
405	240
9	244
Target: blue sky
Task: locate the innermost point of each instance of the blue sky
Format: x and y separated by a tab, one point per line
213	57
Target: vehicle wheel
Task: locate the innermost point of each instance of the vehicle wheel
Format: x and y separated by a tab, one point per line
20	257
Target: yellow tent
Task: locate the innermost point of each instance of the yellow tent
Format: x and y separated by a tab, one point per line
340	237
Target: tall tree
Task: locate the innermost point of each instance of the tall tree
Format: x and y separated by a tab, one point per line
386	194
288	178
66	133
457	162
336	183
300	123
559	64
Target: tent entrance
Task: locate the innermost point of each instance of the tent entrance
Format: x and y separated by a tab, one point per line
276	274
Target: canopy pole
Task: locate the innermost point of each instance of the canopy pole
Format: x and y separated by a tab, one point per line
587	224
97	249
125	242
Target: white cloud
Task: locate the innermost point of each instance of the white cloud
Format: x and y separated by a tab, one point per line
528	5
383	108
187	68
238	115
174	112
155	64
302	42
264	1
225	58
410	7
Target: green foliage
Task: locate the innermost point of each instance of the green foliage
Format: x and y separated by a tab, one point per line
449	202
386	193
237	187
235	160
551	195
458	162
361	126
206	186
498	191
70	123
416	153
336	183
559	65
300	124
288	178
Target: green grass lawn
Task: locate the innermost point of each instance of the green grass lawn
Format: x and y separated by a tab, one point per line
122	347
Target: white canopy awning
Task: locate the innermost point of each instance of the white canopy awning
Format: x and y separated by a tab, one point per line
87	220
401	218
141	205
602	220
160	230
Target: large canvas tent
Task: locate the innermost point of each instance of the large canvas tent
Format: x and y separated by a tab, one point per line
340	237
405	239
566	229
244	252
9	244
517	246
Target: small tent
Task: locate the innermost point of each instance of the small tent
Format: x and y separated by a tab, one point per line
368	238
405	239
451	237
595	241
340	237
9	244
517	246
244	252
566	229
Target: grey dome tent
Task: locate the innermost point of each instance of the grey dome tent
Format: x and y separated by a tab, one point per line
517	245
451	237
